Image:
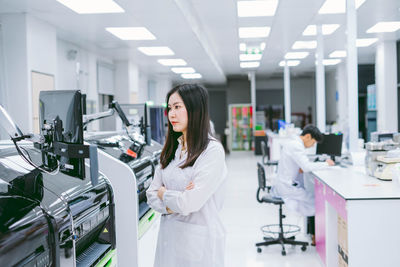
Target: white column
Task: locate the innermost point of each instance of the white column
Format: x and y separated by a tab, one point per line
342	104
386	86
252	77
320	81
286	86
352	74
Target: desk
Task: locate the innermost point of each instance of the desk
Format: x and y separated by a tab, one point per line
358	213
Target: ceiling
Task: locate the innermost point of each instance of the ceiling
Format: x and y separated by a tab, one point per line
205	32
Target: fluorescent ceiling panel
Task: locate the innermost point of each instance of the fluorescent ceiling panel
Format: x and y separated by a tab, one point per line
250	57
304	45
385	26
92	6
326	29
245	65
131	33
183	70
262	46
329	62
263	8
156	51
336	6
172	62
254	32
365	42
191	76
338	54
296	55
290	63
242	47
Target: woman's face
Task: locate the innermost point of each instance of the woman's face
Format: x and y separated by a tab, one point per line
177	114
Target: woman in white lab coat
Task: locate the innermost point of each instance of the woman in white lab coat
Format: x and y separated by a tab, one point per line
188	188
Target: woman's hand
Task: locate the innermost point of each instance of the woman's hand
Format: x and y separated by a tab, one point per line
161	192
190	186
169	211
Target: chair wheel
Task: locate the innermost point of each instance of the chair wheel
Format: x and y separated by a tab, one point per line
303	248
283	253
259	250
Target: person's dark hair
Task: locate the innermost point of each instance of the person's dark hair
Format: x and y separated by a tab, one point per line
314	132
195	99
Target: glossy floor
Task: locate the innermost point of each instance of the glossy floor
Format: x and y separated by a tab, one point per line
243	216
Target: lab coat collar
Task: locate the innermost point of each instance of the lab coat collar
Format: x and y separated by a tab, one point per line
298	139
180	139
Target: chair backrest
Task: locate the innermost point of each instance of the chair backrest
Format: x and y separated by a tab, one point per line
264	151
261	176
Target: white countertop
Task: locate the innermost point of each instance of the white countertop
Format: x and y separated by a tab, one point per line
352	183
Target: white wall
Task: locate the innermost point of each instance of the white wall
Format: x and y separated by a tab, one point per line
122	81
28	45
42	49
16	68
143	87
163	85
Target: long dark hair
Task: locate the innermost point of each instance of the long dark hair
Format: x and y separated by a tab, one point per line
195	99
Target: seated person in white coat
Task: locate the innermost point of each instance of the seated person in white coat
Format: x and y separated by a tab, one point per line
289	184
188	188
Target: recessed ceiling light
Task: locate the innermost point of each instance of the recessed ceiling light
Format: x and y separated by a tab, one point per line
290	63
250	57
329	62
172	62
183	70
336	6
257	8
191	76
245	65
156	51
254	32
385	26
365	42
92	6
338	54
326	29
304	45
131	33
296	55
242	47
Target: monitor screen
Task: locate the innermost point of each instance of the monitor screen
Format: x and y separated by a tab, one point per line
331	145
66	106
134	112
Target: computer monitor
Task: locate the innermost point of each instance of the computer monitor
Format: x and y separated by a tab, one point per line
138	114
331	145
64	106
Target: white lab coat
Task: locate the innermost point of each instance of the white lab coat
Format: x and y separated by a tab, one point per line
293	158
193	236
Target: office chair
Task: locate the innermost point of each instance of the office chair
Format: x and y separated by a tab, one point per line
265	157
281	239
270	164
